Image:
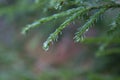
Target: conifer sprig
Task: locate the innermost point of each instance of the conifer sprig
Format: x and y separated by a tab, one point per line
73	14
54	35
79	35
65	13
46	19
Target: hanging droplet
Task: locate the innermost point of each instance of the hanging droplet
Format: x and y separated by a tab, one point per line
46	46
87	29
24	31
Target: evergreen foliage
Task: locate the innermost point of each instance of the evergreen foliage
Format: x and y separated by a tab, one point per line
103	15
83	7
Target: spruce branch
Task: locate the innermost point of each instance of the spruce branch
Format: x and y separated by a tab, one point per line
54	35
46	19
79	35
73	14
65	13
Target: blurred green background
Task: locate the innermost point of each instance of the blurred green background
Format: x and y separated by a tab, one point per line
22	56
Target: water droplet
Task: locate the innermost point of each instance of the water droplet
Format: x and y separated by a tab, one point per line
87	29
46	46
